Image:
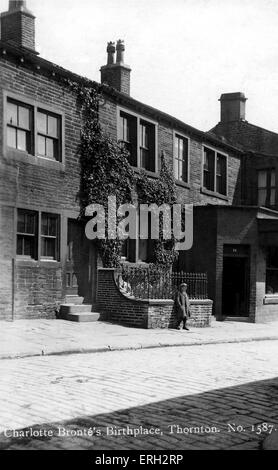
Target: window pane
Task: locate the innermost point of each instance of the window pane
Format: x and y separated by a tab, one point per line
23	117
184	170
273	179
144	154
143	250
50	148
21	140
272	257
19	246
11	137
181	148
12	113
48	247
25	246
52	225
271	282
42	123
221	163
262	179
176	147
44	224
209	162
125	129
262	193
28	246
52	126
272	197
176	169
144	136
41	145
30	223
21	221
26	224
180	169
221	179
49	225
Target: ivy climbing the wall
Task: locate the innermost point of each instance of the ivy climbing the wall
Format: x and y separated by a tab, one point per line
159	191
105	171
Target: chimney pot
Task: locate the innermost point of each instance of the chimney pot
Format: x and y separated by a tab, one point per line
111	53
120	51
116	74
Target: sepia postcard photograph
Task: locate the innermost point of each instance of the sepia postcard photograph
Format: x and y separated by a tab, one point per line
138	228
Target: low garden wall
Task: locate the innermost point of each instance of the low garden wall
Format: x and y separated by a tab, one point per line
117	307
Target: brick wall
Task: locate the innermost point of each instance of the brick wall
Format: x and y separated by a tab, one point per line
119	308
40	182
6	253
117	77
248	135
215	227
18	28
38	291
37	184
191	193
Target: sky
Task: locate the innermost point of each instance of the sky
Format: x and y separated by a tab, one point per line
183	53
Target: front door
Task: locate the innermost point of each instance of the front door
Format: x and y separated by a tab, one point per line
235	287
80	268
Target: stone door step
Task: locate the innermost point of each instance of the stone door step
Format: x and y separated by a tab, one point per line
74	299
73	308
81	317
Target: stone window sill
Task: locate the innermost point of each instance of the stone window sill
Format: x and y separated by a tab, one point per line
21	156
214	194
182	184
33	263
151	174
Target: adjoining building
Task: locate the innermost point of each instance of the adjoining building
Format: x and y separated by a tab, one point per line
44	254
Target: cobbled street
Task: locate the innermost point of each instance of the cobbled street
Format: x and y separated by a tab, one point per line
197	397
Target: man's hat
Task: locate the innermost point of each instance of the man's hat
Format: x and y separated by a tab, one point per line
183	284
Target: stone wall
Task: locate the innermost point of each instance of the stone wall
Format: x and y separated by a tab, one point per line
116	307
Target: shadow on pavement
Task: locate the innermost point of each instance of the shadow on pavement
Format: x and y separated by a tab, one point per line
229	418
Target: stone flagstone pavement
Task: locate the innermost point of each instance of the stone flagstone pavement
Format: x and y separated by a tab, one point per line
25	338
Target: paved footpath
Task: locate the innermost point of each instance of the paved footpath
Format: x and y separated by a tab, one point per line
25	338
228	389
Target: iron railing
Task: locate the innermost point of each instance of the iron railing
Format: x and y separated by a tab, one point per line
145	283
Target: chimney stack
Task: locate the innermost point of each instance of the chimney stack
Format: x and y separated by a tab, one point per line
232	107
116	74
18	25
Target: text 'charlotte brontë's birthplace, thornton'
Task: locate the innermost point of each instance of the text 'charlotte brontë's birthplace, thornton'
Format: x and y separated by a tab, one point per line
229	174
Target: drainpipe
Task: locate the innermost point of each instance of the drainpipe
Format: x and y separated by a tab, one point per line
13	289
13	258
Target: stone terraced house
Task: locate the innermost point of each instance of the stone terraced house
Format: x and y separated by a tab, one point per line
229	174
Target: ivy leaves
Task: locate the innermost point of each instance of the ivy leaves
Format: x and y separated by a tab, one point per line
106	171
159	191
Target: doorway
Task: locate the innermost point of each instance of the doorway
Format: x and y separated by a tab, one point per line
235	287
80	266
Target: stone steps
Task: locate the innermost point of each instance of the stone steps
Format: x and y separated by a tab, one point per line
74	299
74	310
81	317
